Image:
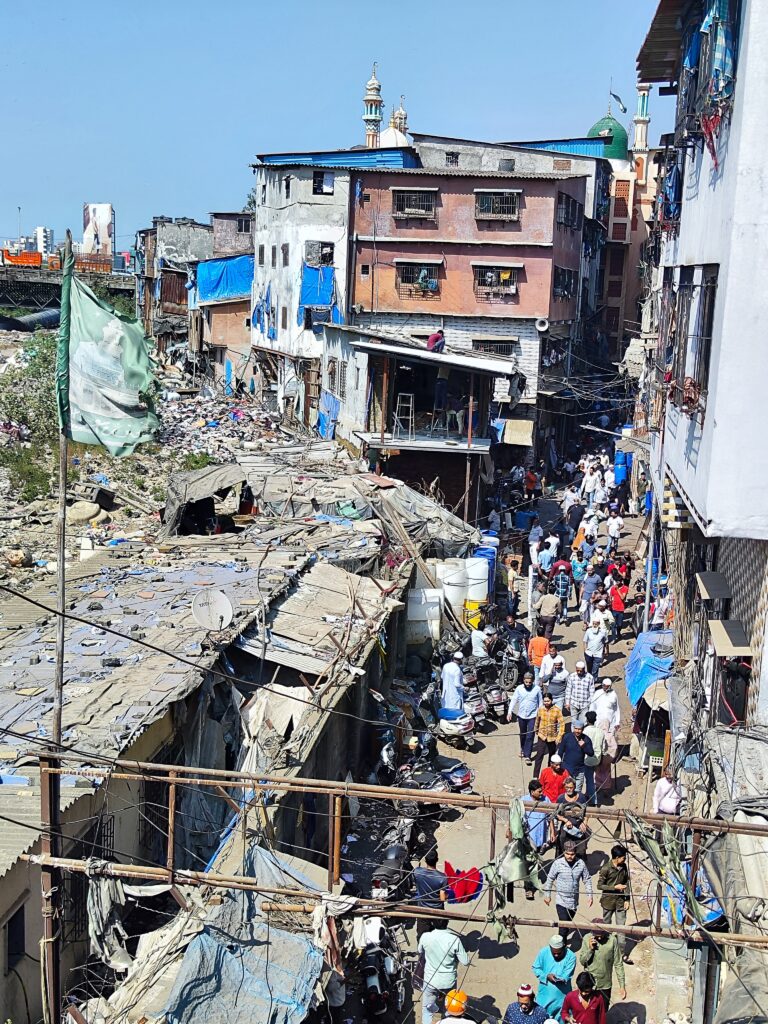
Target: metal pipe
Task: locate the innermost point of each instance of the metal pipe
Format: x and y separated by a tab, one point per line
649	567
381	907
243	780
337	839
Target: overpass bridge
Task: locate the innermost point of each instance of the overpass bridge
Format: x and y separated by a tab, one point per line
35	288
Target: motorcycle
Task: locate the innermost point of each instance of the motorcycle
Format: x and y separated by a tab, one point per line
456	776
474	702
381	970
495	700
391	879
511	662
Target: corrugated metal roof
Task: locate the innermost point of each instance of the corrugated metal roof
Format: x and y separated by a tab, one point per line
660	55
594	148
342	158
114	686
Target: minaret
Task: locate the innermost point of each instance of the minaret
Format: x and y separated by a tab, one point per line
372	105
400	118
640	141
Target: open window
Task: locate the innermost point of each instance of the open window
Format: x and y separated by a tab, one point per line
495	282
417	280
322	183
318	254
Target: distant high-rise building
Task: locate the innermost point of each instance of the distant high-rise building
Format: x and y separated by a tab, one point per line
44	240
98	229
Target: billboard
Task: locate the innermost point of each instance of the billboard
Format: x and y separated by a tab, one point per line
98	229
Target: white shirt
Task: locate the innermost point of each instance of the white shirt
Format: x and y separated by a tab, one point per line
547	666
605	704
453	686
594	641
667	797
478	644
609	478
615	526
569	499
589	483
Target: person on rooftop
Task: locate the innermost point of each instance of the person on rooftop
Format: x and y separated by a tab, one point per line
436	341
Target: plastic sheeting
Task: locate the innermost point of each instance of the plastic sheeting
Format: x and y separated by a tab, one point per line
644	667
223	279
193	486
318	288
328	414
241	968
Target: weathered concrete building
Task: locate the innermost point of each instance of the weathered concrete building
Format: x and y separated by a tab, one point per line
232	233
164	253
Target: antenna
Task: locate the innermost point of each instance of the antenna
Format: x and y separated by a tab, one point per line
212	610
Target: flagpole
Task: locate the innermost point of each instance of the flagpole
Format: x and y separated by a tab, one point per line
51	880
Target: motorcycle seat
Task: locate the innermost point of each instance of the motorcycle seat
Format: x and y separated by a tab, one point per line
450	714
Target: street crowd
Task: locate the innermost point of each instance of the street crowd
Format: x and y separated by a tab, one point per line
568	720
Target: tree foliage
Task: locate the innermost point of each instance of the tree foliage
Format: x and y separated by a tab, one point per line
28	390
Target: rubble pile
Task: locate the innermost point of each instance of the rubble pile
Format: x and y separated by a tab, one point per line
118	501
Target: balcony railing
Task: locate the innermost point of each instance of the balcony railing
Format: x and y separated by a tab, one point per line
412	205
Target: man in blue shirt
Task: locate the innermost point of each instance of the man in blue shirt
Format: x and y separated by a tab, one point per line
591	582
430	885
526	1010
525	702
574	747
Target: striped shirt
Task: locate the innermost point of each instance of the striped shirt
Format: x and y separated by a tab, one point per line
562	585
565	877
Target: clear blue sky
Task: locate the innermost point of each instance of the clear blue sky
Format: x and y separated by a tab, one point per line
159	106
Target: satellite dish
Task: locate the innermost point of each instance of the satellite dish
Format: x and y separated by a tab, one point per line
212	610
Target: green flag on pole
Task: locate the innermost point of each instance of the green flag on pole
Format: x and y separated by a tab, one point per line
104	379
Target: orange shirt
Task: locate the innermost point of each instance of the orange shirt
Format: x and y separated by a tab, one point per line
538	646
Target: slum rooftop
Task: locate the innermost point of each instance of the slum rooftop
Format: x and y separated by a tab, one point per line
115	687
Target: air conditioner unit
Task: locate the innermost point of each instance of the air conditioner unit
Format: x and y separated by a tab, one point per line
542	325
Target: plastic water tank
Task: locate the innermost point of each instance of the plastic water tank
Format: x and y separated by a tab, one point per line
452	576
620	472
490	539
489	554
477	579
620	459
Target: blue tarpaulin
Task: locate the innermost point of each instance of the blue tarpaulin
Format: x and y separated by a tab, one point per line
327	415
222	279
644	667
240	968
318	288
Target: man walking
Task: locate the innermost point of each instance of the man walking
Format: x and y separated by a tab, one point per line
525	703
579	689
591	761
554	967
431	886
526	1010
600	955
549	730
443	952
615	526
613	884
538	646
553	779
557	682
595	642
574	747
561	584
538	828
550	610
565	876
589	587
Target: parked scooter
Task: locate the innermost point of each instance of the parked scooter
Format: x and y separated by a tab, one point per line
447	724
382	970
474	702
391	879
495	700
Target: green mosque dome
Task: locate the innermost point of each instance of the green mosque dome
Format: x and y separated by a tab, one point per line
608	125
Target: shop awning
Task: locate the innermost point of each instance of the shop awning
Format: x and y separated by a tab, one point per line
729	638
712	586
646	665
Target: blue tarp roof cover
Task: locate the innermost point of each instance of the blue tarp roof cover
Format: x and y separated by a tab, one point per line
229	277
242	969
644	667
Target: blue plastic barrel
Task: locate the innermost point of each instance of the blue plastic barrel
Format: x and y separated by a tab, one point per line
524	519
621	459
620	473
629	462
490	555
